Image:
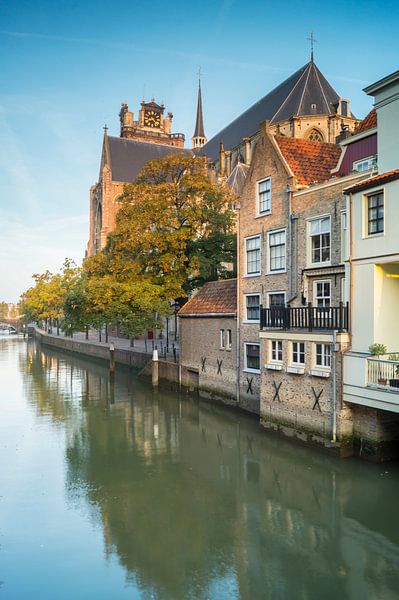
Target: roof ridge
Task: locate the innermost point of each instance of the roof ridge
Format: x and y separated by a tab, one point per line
304	87
289	95
322	90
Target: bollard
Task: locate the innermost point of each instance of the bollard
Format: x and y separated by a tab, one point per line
111	357
155	367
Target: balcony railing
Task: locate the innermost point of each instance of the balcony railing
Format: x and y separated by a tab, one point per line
306	317
383	373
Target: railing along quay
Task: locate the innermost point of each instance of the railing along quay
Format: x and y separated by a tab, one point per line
306	317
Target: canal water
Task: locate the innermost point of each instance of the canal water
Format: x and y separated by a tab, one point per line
109	490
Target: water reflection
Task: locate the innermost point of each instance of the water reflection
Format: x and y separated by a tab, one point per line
197	502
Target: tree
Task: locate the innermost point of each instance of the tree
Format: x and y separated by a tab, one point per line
175	228
3	310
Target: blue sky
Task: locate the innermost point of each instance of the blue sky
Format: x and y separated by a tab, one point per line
66	67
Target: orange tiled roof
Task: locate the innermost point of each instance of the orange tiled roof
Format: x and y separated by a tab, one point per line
215	297
369	122
372	181
309	161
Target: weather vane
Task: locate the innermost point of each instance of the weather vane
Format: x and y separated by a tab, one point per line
312	41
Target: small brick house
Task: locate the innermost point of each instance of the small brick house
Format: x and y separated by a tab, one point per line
208	344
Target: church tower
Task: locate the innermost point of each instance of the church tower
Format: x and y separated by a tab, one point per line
199	138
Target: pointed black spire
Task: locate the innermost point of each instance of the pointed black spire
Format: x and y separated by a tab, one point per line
199	138
199	124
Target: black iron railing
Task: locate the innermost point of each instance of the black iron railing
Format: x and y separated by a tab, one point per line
306	317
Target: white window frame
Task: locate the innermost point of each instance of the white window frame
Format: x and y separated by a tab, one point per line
369	162
247	239
277	351
229	340
298	352
246	368
323	282
269	270
222	339
309	241
259	212
366	198
275	293
246	319
324	354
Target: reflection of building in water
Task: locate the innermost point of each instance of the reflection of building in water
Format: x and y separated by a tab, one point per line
188	489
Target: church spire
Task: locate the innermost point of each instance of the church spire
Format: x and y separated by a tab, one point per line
199	138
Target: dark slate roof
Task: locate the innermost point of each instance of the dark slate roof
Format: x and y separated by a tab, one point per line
214	298
237	177
199	124
294	97
127	157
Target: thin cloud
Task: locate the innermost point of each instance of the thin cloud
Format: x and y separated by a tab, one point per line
197	57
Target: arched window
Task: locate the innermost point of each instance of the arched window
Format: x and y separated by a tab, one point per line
97	227
315	135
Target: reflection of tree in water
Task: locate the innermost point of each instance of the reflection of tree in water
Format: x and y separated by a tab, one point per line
189	493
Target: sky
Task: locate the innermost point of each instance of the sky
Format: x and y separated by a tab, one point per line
65	68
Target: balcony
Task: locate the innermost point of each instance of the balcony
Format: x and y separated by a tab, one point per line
311	318
383	373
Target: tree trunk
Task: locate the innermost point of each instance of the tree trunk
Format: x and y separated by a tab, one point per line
99	335
106	334
131	342
87	333
58	327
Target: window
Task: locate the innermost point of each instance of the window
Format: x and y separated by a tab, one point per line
252	357
344	108
320	240
277	351
276	299
344	228
229	340
315	136
222	339
365	164
322	293
252	307
264	196
298	353
323	355
252	250
375	213
276	241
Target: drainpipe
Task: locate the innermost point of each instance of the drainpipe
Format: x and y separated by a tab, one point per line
294	219
238	308
289	241
334	375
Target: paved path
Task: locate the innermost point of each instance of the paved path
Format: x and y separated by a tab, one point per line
139	345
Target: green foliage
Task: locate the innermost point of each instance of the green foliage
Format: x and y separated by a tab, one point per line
377	349
3	310
174	232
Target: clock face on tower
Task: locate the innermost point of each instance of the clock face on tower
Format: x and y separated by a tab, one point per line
152	118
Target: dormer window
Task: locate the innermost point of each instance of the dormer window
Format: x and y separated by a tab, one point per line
344	108
366	164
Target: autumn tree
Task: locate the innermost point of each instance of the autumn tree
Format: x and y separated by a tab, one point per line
3	310
175	228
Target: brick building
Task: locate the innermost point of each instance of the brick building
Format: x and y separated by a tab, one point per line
208	343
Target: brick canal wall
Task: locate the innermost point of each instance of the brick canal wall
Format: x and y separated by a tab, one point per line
130	358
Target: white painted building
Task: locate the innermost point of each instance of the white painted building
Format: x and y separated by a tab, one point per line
373	265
